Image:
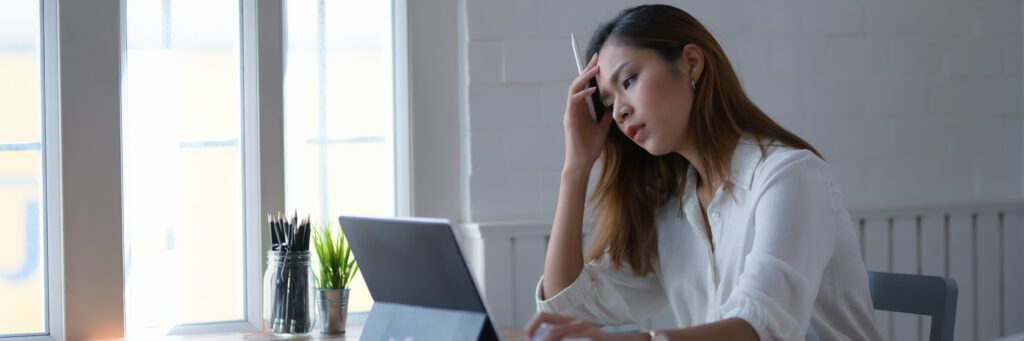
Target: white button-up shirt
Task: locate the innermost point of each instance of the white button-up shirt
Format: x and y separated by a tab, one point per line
783	256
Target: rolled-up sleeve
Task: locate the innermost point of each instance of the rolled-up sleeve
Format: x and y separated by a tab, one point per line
794	238
604	295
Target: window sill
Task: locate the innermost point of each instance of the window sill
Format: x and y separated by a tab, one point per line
354	328
352	333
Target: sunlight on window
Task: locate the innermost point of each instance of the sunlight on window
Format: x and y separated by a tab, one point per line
181	134
22	262
339	117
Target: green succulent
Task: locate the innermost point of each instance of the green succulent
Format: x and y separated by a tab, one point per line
337	266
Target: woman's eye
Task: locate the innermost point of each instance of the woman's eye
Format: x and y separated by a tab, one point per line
628	82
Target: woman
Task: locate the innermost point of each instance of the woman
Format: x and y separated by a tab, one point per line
703	203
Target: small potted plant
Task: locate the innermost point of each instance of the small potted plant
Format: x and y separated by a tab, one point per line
335	270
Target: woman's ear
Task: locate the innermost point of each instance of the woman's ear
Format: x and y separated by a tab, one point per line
692	61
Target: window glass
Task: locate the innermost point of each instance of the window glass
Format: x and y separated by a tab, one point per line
182	159
339	117
22	262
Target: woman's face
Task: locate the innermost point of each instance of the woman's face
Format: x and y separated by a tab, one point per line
649	99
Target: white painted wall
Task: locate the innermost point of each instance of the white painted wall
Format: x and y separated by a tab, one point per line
912	102
431	32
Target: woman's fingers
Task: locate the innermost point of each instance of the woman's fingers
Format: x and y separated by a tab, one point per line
583	79
578	101
573	328
578	105
589	72
583	94
543	317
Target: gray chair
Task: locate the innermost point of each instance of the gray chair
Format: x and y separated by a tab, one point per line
917	294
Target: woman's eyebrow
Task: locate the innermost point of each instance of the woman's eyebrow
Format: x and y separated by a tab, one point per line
615	76
618	70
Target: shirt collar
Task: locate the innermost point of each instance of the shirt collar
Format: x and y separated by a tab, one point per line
745	159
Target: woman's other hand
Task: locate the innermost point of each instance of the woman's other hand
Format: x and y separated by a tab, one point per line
584	138
561	327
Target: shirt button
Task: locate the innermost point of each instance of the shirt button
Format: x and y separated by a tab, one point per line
715	215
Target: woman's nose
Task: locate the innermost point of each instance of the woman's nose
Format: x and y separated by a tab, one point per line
620	114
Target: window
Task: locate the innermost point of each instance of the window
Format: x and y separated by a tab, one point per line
23	266
165	152
182	163
339	113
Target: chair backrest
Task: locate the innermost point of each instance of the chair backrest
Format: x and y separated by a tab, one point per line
917	294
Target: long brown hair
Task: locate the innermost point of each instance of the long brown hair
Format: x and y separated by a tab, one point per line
633	184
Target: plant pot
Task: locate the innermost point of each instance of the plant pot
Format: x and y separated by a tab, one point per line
332	304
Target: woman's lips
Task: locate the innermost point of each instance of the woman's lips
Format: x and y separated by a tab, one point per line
634	131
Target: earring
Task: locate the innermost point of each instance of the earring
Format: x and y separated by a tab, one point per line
693	83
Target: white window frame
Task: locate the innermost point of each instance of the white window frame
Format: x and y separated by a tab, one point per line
263	120
84	53
51	168
257	69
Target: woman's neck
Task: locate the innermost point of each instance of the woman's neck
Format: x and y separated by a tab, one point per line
690	152
698	166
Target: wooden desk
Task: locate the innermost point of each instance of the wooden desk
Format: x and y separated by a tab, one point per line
352	333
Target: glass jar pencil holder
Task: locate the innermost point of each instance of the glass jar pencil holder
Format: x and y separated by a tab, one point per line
288	306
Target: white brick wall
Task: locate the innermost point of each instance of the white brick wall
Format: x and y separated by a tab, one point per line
913	102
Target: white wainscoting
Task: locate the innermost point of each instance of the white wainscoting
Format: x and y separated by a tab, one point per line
980	246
